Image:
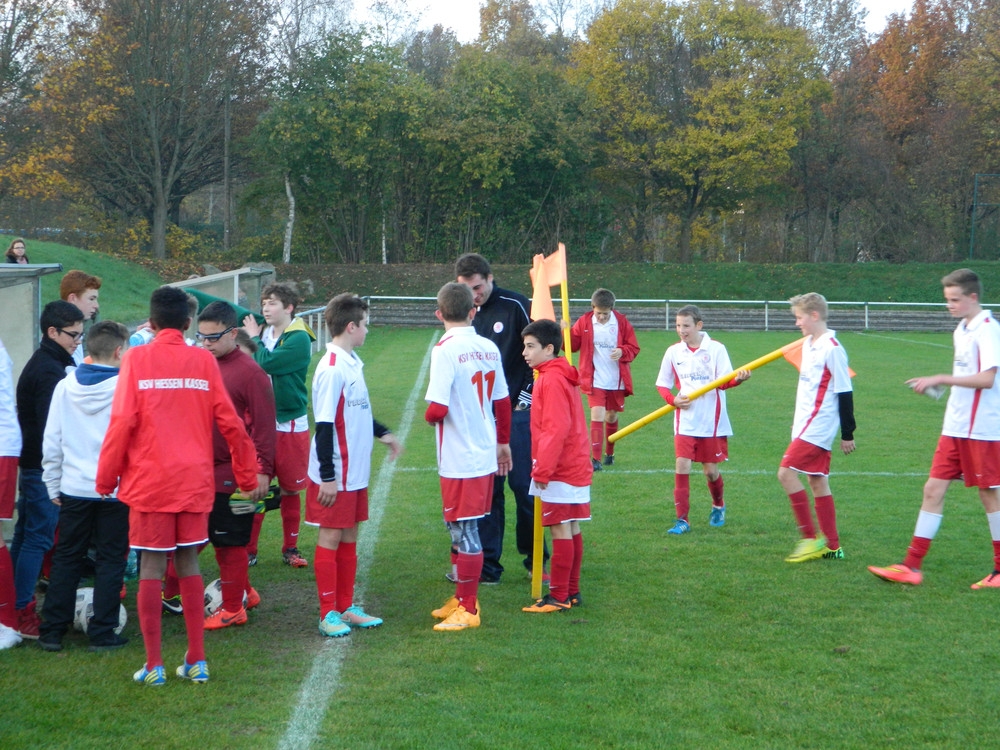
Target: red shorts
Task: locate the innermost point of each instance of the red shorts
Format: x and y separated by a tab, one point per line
554	514
464	499
291	460
349	509
704	450
8	486
806	458
610	400
975	461
163	532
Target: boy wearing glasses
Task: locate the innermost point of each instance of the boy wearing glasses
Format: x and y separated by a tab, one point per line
34	533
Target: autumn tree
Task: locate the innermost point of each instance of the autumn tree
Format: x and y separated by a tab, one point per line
155	81
701	106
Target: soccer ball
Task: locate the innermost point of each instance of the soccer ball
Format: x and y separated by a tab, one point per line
84	611
213	597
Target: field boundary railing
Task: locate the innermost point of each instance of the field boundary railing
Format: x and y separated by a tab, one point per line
658	314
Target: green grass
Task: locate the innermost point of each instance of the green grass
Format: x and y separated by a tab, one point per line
125	288
706	640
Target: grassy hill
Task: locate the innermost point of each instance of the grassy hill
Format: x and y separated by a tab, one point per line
127	286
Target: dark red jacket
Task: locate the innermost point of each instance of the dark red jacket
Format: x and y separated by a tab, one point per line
581	337
560	439
249	388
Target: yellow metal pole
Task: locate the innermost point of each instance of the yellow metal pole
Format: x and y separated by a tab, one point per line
664	410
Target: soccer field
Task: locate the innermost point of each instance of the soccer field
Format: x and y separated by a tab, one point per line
705	640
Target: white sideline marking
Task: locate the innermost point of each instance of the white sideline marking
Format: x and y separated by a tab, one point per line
324	679
729	472
904	341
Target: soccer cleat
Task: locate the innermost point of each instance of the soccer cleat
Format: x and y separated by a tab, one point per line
8	637
898	574
680	527
251	559
596	464
575	600
197	672
447	608
49	643
718	516
224	619
173	606
112	643
807	549
356	617
833	554
293	557
333	626
992	581
155	676
546	604
609	460
253	599
459	619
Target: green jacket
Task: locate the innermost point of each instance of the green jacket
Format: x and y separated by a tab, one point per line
287	365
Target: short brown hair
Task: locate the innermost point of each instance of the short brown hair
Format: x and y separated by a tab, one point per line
965	279
690	311
603	298
455	300
104	337
470	264
77	282
282	292
546	332
344	309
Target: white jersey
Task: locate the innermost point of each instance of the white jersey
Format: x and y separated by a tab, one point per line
973	412
607	372
467	377
822	376
10	430
340	398
690	370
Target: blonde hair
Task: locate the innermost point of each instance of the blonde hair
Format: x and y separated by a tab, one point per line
810	302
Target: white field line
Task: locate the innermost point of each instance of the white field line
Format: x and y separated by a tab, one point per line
903	341
729	472
324	679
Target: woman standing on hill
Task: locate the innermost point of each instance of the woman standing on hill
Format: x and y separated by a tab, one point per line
15	252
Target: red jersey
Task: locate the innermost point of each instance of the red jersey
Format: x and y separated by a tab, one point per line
159	441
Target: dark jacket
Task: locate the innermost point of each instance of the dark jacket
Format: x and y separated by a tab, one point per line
501	319
38	380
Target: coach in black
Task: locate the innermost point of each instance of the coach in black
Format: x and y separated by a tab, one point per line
501	315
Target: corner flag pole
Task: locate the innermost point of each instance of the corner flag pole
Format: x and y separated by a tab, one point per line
664	410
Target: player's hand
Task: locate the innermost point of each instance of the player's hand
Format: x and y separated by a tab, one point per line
327	493
504	460
57	500
616	354
847	446
563	324
251	326
682	402
919	385
263	485
541	486
742	375
395	447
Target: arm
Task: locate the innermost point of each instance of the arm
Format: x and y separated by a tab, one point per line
52	450
845	402
261	421
576	334
741	376
241	447
327	470
628	343
502	412
980	380
385	436
124	411
435	412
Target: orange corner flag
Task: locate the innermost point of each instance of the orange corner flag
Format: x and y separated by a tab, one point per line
793	355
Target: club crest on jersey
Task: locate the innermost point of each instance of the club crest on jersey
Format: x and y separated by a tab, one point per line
704	357
498	327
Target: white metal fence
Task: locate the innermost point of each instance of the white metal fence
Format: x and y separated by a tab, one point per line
657	314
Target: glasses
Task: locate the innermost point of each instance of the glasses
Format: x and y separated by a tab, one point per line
72	334
213	337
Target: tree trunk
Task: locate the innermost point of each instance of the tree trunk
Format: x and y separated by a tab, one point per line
158	231
286	250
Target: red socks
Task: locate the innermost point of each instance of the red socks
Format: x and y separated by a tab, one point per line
916	552
715	488
610	428
596	439
233	576
347	570
803	515
193	601
470	567
561	566
574	571
258	522
826	515
8	616
147	603
326	579
291	518
682	495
